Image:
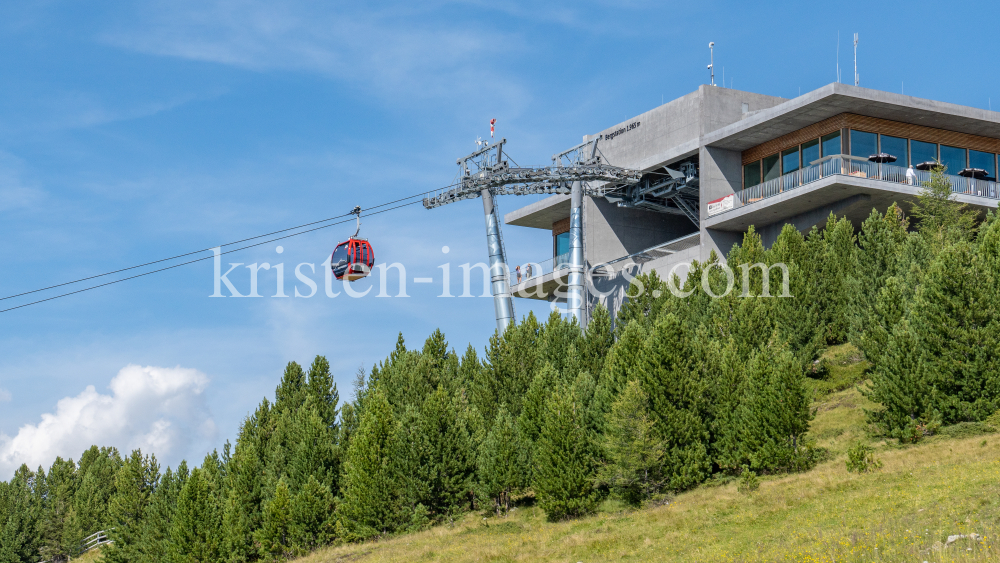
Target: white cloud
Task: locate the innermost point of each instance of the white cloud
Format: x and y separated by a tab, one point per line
14	193
160	410
5	396
406	49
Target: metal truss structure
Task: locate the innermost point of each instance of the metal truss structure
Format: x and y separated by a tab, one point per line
673	191
486	169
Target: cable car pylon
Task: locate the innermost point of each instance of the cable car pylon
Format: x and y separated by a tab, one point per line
486	174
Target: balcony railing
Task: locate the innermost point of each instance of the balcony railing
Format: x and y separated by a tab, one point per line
845	165
540	268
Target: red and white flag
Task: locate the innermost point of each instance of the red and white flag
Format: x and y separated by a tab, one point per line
492	123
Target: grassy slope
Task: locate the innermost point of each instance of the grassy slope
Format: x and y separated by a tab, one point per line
89	557
904	512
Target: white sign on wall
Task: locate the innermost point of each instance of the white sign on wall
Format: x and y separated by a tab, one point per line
721	204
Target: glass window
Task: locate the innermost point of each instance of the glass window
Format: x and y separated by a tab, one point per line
339	254
953	159
562	243
985	160
863	144
751	174
922	152
790	160
831	144
770	166
810	152
897	148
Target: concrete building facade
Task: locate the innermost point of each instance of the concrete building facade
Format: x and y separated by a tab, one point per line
734	159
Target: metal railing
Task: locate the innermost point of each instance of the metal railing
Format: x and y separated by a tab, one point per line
538	269
94	540
845	165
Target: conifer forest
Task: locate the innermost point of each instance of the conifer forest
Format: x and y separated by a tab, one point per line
671	393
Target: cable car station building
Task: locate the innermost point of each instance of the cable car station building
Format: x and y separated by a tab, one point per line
717	161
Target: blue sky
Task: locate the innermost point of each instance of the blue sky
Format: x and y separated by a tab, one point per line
131	132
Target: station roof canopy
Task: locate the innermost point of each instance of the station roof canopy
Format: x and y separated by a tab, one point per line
540	214
836	98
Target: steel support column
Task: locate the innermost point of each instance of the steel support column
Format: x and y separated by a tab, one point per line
499	283
574	293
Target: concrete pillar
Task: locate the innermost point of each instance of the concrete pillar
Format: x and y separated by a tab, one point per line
574	294
499	284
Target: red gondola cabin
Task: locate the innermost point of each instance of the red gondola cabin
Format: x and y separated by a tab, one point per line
352	260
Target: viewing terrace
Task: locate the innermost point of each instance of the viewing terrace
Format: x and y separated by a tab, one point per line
847	165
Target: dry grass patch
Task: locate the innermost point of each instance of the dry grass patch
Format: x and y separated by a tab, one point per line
89	557
904	512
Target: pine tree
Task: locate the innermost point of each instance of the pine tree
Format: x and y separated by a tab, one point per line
91	504
195	529
796	316
349	421
632	449
556	337
19	515
563	461
291	392
889	309
747	321
501	463
302	438
155	540
303	444
435	367
901	386
879	257
469	372
411	464
512	359
622	361
676	394
324	391
533	411
396	376
644	298
748	280
134	483
833	254
57	538
726	371
596	342
702	303
450	464
369	506
312	516
274	535
940	218
775	412
242	510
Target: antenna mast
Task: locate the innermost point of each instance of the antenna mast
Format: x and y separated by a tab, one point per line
856	79
711	65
